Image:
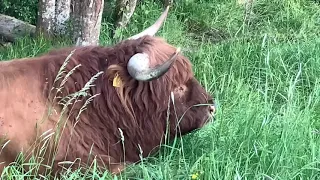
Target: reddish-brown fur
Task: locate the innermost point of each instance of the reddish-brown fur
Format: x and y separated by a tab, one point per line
139	109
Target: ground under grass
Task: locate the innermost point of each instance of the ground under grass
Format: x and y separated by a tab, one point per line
263	70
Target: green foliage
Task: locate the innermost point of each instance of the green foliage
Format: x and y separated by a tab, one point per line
25	10
264	75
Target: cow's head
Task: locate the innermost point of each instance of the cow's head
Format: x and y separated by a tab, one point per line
156	70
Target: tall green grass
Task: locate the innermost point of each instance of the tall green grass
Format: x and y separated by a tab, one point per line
264	74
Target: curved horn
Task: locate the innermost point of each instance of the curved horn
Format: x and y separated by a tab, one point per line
138	67
153	29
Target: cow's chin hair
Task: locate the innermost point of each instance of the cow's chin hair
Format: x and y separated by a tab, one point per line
206	120
197	123
209	118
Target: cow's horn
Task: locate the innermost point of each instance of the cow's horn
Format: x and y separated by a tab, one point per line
138	67
153	29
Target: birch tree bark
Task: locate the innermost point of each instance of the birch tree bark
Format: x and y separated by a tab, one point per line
46	17
75	18
62	11
87	16
124	11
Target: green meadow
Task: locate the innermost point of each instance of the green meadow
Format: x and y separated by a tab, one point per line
262	65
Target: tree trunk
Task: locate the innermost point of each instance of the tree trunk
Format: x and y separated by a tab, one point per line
75	19
167	2
46	17
124	11
62	11
87	16
11	28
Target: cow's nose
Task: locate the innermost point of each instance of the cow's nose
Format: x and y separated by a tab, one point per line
212	109
212	106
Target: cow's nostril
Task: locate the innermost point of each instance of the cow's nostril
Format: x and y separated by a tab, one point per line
212	109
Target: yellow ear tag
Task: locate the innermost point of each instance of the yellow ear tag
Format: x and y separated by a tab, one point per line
117	81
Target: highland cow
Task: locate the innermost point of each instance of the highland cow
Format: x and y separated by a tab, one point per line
108	103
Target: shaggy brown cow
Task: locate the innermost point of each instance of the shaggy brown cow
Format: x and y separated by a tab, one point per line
104	102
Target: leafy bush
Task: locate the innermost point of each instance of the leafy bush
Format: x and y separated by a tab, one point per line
25	10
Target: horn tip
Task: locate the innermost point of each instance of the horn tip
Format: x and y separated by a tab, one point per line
178	50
